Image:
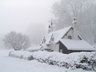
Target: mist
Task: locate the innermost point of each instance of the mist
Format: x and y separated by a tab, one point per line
30	17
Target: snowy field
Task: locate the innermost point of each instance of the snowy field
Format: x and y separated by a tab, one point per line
11	64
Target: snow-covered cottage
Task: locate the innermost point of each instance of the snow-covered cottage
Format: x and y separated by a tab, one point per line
65	40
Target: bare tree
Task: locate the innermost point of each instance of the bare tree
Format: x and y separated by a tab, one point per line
17	41
83	10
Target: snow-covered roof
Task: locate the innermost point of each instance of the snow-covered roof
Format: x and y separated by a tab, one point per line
77	44
57	34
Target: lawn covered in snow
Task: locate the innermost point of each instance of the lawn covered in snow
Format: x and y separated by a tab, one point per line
12	64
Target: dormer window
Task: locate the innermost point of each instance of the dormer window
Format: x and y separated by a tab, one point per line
69	37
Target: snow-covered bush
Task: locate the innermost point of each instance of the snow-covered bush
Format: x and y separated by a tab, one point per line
21	54
89	60
17	41
82	60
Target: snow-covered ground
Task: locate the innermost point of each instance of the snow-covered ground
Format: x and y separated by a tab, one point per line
10	64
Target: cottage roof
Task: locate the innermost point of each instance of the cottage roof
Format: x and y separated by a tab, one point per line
57	35
76	44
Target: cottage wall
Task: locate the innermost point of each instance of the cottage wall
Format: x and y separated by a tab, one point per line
71	35
68	34
62	48
54	47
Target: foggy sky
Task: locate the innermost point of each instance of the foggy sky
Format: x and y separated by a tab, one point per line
26	16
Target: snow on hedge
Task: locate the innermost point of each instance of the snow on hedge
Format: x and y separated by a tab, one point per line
82	60
20	54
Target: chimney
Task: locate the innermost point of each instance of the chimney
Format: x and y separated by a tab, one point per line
74	23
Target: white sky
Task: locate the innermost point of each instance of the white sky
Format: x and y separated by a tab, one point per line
19	14
29	16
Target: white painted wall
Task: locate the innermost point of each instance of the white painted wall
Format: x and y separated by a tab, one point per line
72	33
54	47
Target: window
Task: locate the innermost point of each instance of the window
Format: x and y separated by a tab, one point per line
60	50
69	37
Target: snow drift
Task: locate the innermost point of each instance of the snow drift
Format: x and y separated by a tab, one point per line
84	60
